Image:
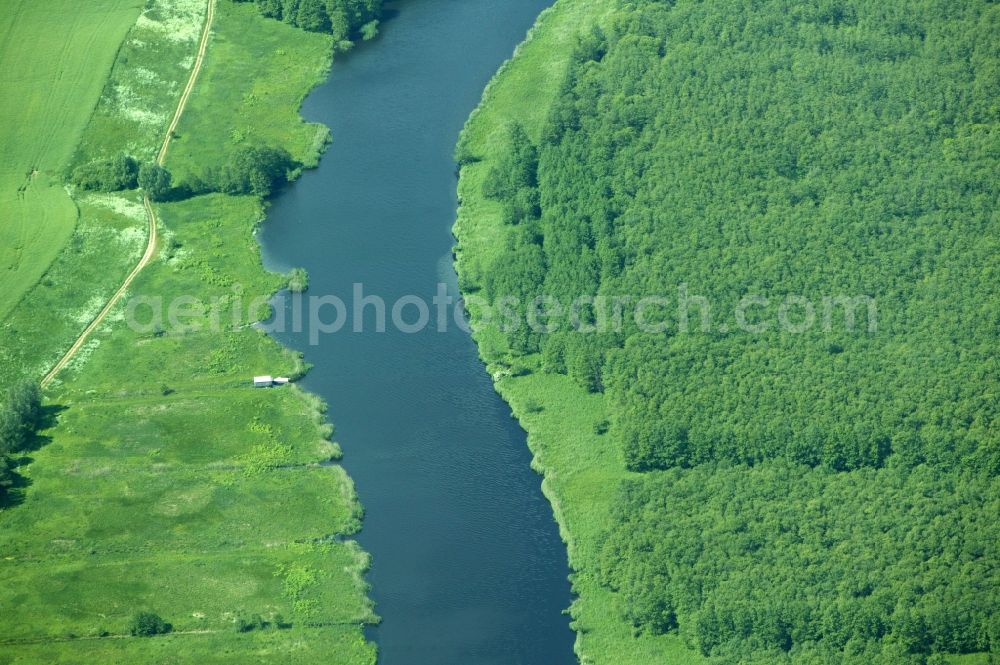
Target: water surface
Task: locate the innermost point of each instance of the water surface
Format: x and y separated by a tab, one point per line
468	566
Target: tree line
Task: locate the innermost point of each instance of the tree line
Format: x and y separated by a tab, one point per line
253	169
20	417
344	19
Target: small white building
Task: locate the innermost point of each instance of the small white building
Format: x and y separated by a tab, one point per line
281	380
262	382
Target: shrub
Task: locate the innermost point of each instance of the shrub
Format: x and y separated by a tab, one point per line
533	406
6	475
369	30
298	280
20	416
108	175
245	624
147	624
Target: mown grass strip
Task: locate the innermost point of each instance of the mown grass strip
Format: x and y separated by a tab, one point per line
50	90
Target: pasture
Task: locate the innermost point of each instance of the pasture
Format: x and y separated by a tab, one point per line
54	61
169	484
139	96
165	482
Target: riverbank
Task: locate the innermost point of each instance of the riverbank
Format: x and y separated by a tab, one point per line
467	562
166	482
581	474
584	464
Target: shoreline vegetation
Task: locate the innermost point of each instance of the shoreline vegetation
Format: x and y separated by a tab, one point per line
579	474
673	537
167	497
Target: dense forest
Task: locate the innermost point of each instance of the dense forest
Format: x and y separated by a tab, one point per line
818	469
781	563
344	19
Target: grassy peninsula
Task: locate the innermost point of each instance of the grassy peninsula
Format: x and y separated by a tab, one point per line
162	482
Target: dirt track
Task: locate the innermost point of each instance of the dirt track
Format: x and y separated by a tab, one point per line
150	252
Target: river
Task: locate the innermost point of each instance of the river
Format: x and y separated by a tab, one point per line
468	567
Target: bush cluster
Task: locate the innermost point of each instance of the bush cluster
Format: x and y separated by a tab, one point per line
108	175
258	170
253	169
148	624
123	172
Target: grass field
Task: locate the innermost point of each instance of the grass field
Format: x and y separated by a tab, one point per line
109	238
582	472
138	98
170	484
54	61
165	482
275	64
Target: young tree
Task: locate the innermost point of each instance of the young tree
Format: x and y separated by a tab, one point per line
155	181
147	624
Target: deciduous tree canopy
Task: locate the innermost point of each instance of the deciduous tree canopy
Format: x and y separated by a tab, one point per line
341	18
155	180
258	170
108	175
832	442
20	416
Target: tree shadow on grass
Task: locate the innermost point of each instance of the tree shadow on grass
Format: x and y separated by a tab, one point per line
48	419
15	493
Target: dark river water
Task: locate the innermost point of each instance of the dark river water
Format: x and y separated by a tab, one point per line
468	568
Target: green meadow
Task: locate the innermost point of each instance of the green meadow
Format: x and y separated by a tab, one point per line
260	83
165	482
170	485
132	105
50	92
